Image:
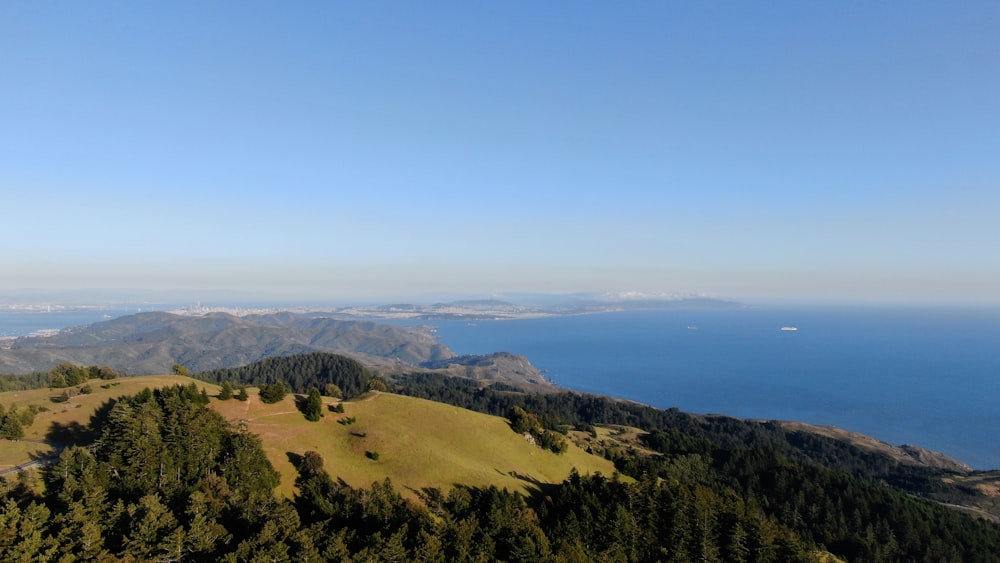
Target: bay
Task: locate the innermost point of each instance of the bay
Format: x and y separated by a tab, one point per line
20	322
928	377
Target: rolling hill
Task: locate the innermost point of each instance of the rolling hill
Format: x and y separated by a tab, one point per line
697	488
421	444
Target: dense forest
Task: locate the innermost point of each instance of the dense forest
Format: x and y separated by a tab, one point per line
167	479
300	373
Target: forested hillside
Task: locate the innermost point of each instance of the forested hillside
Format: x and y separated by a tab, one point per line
859	505
166	478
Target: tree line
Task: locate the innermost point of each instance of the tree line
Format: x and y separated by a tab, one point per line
299	373
65	374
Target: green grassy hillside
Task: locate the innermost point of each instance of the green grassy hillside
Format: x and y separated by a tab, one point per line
419	443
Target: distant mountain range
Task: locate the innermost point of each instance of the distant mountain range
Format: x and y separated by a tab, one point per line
204	338
151	343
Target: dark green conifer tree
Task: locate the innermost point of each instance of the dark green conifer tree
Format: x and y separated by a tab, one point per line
314	405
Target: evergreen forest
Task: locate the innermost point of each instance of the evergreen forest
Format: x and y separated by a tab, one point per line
163	477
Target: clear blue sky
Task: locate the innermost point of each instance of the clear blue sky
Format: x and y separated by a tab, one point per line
368	150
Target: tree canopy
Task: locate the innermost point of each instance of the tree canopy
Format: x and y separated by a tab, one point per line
300	373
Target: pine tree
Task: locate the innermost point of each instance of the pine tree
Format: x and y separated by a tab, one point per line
150	524
226	392
272	393
314	405
10	425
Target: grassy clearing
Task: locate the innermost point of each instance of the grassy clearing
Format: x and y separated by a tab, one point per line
77	410
419	443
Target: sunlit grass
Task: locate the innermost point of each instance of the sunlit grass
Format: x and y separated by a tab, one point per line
419	443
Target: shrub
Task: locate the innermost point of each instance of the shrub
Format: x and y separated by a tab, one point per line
332	390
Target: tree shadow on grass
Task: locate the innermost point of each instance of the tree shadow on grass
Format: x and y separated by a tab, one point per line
536	488
300	403
75	434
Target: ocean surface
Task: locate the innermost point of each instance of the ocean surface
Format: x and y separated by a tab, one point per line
927	377
24	323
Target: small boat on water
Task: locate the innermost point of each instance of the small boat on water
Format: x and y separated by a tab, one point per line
789	328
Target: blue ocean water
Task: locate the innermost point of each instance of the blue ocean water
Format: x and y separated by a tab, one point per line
23	323
928	377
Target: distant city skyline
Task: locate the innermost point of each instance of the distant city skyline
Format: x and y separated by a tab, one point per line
348	152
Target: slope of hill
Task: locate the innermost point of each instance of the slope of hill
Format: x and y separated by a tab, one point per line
906	454
420	443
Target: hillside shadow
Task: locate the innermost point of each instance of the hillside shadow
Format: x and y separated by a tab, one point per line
536	488
41	455
432	497
69	434
543	491
75	434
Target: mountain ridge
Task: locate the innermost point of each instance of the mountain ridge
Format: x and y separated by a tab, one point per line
146	343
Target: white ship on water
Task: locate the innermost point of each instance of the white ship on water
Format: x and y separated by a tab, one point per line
789	328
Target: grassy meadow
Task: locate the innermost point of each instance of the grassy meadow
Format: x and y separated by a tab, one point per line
418	443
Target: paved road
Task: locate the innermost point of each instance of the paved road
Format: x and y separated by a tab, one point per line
36	463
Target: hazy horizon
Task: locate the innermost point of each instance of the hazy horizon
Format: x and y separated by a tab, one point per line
789	152
147	299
